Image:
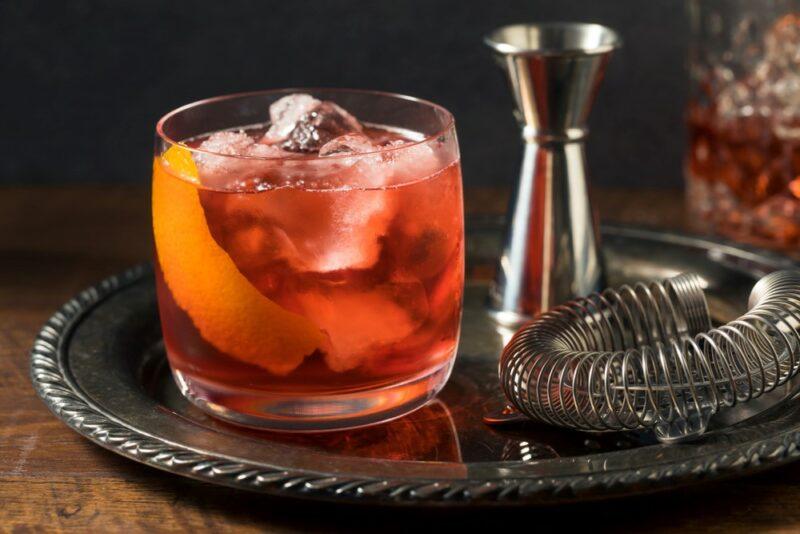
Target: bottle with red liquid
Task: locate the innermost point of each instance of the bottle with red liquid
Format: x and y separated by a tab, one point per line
743	163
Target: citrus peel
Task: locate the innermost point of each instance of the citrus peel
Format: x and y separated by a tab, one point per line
227	310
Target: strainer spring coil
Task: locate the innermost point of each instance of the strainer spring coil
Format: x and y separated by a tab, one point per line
646	357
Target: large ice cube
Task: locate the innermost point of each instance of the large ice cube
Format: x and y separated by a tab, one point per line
285	113
411	162
368	168
301	123
311	231
340	225
428	228
320	125
360	322
329	215
393	163
334	230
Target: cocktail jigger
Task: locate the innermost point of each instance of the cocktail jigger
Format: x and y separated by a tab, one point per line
551	251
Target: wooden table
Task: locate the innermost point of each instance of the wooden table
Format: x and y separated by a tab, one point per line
56	241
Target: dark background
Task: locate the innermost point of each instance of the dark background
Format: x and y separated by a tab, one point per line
83	82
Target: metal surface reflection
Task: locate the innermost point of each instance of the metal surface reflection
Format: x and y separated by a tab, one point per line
428	434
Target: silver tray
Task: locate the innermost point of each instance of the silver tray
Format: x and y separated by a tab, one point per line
99	365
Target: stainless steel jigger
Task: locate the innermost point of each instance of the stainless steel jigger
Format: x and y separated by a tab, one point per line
551	252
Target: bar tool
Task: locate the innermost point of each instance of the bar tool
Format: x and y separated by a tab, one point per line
551	251
646	357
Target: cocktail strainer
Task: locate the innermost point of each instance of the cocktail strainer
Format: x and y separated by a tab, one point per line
646	357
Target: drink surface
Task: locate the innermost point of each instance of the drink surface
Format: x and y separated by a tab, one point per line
294	273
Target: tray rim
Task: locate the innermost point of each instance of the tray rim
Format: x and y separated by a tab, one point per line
50	377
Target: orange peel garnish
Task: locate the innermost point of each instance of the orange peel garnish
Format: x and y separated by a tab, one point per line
228	311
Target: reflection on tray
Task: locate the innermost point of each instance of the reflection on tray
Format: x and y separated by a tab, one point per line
427	435
448	429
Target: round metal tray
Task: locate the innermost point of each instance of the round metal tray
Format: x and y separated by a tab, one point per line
99	365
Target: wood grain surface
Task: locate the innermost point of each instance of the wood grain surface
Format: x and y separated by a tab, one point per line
56	241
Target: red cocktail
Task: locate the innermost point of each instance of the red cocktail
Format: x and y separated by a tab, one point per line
310	255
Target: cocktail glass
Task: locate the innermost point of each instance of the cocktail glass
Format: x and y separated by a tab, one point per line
308	292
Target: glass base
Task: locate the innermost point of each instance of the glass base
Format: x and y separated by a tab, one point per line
313	413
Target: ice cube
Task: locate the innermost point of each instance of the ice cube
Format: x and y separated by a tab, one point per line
359	219
310	231
735	100
301	123
331	213
411	162
428	229
260	150
214	166
368	168
285	113
360	322
375	166
422	251
778	219
228	143
786	94
782	42
777	80
219	170
342	228
319	125
351	143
